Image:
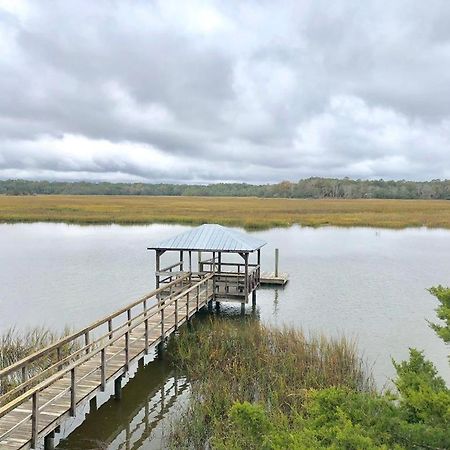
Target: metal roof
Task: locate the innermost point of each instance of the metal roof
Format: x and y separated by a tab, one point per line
211	238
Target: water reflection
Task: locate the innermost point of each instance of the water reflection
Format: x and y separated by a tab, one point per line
151	400
141	419
365	283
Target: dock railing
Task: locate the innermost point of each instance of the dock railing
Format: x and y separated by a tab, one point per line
230	280
104	341
55	352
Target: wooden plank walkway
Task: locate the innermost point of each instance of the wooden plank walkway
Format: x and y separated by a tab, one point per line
39	404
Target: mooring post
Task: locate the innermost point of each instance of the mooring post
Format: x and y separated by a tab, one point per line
93	404
49	441
254	299
118	387
160	350
277	253
242	309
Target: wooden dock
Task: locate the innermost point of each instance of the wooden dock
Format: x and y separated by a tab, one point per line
95	356
41	391
270	278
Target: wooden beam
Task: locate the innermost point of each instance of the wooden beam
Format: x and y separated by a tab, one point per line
246	276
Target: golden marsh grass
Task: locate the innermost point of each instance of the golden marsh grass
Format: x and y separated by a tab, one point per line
247	212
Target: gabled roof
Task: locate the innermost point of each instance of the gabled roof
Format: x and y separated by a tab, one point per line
211	238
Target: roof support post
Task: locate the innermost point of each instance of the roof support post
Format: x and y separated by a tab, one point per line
214	272
258	273
157	267
246	277
199	262
181	261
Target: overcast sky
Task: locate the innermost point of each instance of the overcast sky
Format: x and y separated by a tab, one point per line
199	91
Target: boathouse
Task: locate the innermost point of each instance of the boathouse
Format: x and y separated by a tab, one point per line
233	257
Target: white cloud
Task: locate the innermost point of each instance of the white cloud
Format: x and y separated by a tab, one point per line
209	90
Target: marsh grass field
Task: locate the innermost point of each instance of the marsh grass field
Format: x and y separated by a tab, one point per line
248	212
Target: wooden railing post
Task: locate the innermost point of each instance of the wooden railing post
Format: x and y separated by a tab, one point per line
129	317
110	328
187	305
24	374
198	296
73	393
103	370
86	340
146	335
127	350
59	357
34	420
162	323
176	313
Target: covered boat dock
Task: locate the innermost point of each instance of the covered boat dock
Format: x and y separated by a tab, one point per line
233	257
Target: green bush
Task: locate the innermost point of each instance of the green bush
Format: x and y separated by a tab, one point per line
254	387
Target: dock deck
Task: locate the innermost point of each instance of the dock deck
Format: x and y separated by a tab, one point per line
269	278
32	411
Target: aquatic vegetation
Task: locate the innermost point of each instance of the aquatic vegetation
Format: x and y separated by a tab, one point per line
255	387
15	345
250	213
233	361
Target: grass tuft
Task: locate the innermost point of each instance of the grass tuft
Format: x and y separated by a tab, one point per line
245	361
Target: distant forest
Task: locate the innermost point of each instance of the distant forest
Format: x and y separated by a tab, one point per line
308	188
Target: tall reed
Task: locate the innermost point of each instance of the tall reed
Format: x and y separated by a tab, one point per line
15	345
229	361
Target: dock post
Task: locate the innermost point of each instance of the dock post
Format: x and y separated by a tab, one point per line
242	309
49	441
118	387
277	254
160	350
254	299
93	404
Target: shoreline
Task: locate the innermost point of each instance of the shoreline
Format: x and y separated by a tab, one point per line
251	213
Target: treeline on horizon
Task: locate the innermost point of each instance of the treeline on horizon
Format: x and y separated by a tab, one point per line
308	188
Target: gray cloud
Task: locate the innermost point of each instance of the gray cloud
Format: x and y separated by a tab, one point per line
205	91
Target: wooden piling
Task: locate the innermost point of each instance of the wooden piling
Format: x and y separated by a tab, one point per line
118	388
277	254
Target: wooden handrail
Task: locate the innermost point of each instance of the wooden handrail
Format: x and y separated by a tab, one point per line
33	357
106	343
87	347
231	264
179	263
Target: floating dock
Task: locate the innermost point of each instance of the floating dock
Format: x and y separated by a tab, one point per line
269	278
274	278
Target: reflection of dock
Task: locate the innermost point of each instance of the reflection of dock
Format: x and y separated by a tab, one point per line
269	278
148	399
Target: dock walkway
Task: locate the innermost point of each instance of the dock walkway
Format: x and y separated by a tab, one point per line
44	389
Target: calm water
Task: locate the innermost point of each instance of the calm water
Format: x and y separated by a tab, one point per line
369	284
